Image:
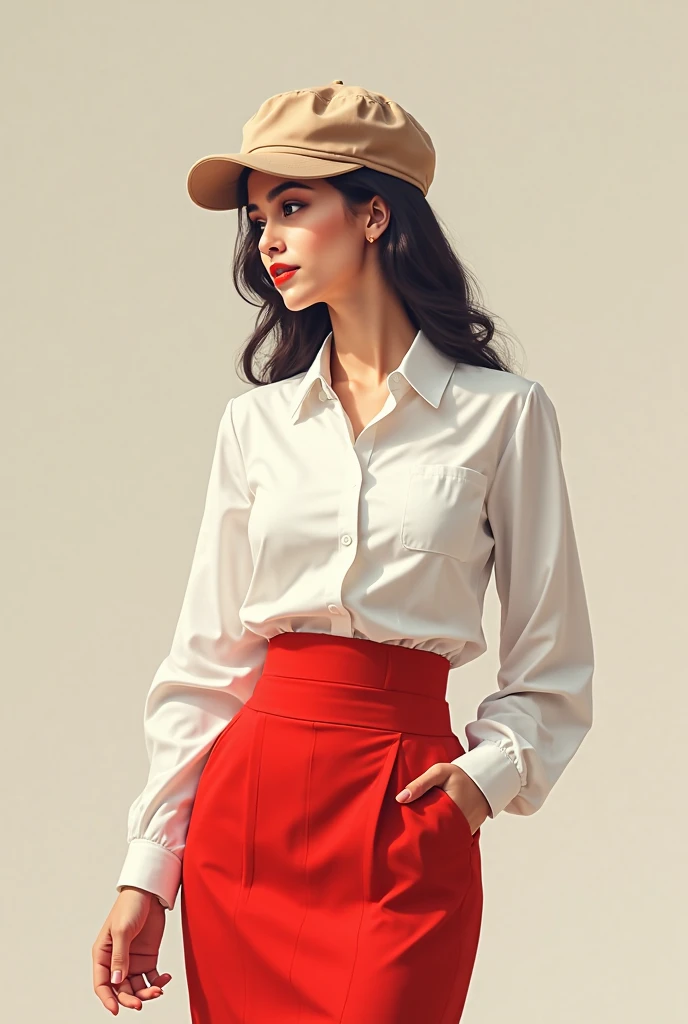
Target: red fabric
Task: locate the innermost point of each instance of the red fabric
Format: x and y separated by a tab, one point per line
309	894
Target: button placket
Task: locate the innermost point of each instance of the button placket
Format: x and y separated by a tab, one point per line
341	624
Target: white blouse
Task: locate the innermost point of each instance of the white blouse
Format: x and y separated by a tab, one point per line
391	537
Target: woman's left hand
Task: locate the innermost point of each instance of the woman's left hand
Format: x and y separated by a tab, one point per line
459	786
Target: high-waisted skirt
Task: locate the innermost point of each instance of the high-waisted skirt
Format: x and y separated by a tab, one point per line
310	895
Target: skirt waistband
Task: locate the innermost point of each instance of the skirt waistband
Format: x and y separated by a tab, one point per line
352	681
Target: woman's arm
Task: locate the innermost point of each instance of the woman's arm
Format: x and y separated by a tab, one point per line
529	729
210	672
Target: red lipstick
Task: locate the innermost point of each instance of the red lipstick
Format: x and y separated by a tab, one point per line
282	271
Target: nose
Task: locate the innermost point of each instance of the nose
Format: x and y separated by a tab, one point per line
267	246
271	251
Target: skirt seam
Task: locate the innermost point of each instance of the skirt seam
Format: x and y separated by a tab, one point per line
305	859
349	725
361	686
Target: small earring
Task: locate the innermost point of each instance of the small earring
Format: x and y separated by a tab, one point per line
371	239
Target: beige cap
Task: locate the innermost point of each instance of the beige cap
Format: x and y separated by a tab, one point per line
315	133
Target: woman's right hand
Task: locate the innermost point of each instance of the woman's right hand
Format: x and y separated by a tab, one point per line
129	942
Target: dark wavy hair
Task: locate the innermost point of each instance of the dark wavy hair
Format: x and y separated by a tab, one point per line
438	292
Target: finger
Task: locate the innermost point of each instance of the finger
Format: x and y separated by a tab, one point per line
434	776
105	994
126	995
142	989
119	955
101	973
157	979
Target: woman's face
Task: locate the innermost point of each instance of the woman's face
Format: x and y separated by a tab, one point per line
305	225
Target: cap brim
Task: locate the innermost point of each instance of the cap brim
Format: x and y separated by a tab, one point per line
212	181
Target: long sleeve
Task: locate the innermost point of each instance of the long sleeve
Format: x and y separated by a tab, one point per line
210	672
527	731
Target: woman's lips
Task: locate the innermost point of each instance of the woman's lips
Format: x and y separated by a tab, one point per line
285	275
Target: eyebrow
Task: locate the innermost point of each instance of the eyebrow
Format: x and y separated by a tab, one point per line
277	190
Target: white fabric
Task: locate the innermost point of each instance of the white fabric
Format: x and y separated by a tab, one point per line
393	538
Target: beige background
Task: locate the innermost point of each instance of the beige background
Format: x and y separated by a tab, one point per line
562	163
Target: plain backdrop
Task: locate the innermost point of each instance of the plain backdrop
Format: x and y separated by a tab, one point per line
560	131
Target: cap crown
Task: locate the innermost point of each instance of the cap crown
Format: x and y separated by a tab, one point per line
343	123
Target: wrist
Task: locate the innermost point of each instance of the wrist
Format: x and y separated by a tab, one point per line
477	798
135	888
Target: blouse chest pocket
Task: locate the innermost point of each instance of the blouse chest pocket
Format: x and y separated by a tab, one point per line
443	508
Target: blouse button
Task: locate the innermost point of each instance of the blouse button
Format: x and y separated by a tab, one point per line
394	378
333	608
323	396
346	539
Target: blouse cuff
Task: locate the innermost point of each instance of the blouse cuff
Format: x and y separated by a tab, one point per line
151	866
493	772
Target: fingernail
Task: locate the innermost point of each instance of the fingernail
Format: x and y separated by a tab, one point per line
116	977
405	793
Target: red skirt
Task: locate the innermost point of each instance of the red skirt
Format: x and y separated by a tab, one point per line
309	894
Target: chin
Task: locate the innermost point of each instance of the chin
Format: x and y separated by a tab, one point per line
297	302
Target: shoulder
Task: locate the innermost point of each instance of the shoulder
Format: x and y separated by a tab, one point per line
506	394
502	401
263	401
489	382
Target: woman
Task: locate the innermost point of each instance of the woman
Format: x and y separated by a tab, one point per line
303	763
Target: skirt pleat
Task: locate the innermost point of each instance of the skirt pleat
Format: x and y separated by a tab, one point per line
309	893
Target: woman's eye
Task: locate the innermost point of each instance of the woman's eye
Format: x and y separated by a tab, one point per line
293	202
